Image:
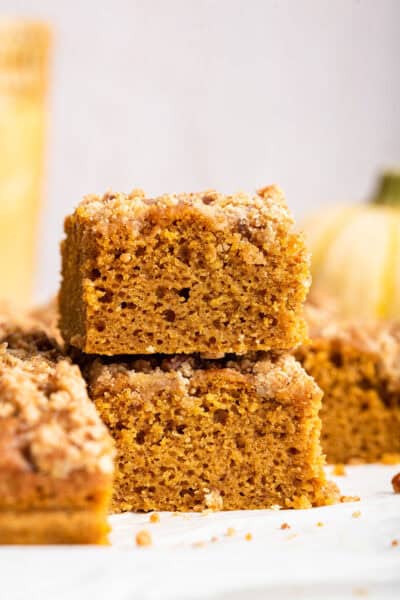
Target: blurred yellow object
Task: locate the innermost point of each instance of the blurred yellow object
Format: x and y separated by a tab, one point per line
24	57
356	253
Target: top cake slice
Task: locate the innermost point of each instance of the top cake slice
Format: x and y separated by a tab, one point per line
183	273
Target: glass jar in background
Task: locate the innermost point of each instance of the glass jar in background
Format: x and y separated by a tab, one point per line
24	59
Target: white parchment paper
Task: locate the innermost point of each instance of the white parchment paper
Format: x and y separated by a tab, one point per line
346	556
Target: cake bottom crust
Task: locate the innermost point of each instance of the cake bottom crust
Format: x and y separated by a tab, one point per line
53	527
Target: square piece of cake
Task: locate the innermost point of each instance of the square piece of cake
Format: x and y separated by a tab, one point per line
195	434
357	365
55	454
183	273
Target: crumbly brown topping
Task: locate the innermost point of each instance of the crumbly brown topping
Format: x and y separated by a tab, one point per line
47	422
22	331
273	375
381	338
263	213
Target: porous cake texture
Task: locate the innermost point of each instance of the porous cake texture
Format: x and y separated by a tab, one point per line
357	365
195	434
183	273
55	454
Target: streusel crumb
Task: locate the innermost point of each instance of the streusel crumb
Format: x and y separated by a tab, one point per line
143	538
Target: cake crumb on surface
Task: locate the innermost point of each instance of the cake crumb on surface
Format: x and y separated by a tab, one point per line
320	524
285	526
199	544
349	499
154	518
339	470
356	514
143	538
395	543
396	483
214	538
230	531
248	537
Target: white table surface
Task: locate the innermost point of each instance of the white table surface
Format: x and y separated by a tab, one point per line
347	557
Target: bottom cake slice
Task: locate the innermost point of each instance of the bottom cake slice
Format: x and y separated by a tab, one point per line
55	454
194	434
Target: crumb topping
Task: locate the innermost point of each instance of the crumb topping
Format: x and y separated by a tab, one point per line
26	333
262	213
381	338
48	424
274	376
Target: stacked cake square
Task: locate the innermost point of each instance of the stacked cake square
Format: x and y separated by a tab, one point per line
184	311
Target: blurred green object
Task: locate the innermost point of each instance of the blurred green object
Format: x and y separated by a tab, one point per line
388	189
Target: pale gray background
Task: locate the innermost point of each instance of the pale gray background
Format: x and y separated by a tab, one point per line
190	94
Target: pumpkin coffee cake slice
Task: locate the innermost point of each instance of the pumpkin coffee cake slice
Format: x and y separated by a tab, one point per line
195	434
357	365
55	454
183	273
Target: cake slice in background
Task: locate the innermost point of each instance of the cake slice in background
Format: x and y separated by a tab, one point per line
55	453
357	365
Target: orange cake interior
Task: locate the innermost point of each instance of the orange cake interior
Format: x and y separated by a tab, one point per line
194	434
183	273
357	365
